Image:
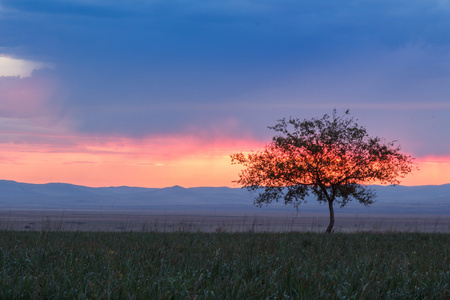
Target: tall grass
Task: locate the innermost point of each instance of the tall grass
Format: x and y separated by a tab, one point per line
186	265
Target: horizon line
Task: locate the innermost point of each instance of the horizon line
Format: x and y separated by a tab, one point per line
176	185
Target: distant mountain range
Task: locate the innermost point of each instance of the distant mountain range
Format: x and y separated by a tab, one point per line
61	196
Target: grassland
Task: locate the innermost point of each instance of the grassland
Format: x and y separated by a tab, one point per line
245	265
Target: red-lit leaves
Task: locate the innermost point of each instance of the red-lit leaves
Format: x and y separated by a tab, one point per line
332	157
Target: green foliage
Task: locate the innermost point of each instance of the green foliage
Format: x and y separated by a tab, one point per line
58	265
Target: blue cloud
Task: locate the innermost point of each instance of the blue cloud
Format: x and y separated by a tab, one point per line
55	7
145	67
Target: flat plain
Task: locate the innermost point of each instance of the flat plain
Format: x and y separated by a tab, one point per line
145	221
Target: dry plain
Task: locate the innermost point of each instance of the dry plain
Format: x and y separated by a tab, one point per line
143	221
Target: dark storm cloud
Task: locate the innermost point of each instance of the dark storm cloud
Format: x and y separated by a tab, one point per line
150	67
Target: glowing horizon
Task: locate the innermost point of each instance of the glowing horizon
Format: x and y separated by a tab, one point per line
154	163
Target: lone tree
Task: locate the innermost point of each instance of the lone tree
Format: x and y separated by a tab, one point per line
332	157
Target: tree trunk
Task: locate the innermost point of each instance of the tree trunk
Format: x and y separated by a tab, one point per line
330	226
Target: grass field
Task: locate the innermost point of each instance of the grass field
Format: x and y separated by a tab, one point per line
246	265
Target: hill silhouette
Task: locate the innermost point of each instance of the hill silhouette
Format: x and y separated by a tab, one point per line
25	196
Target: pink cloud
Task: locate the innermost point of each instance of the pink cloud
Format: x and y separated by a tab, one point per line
99	161
433	170
28	97
151	162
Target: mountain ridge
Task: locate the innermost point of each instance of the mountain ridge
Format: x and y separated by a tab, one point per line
431	199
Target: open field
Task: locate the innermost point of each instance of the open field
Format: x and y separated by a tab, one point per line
145	221
245	265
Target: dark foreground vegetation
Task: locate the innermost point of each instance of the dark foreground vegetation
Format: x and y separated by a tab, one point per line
182	265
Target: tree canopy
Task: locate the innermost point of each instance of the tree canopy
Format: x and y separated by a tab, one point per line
331	157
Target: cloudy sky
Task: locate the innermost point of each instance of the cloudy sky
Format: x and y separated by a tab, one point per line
159	93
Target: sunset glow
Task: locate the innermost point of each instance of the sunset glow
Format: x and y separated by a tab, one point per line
115	162
157	163
431	171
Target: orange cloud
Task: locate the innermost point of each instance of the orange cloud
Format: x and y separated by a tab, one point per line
153	162
158	162
432	171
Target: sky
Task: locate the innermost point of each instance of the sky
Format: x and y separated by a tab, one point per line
160	93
